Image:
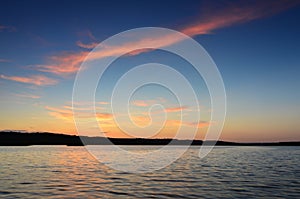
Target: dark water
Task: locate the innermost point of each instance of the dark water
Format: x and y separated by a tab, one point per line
227	172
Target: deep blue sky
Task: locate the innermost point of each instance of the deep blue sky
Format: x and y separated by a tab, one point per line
258	58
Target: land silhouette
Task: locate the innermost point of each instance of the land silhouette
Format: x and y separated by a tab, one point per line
16	138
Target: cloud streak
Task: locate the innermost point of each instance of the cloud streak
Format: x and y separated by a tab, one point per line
69	63
28	96
7	28
176	109
231	15
89	35
38	80
63	64
86	33
236	14
5	60
103	103
87	46
141	103
200	124
146	103
66	113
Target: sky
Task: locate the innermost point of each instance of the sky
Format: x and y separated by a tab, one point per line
255	45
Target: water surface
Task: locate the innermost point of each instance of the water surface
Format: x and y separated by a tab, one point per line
227	172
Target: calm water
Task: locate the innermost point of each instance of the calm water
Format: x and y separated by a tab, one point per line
227	172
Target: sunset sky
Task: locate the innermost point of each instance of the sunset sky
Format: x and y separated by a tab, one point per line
255	44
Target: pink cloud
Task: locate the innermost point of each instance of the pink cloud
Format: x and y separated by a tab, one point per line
84	108
141	103
64	64
103	103
236	14
156	42
104	116
232	15
28	96
141	120
90	36
66	113
38	80
145	103
87	46
136	52
200	124
68	63
176	109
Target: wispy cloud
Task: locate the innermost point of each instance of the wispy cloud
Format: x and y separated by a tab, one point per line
233	14
5	60
7	28
176	109
146	103
38	80
85	108
66	113
60	114
146	120
68	63
236	14
103	103
28	96
104	116
87	46
172	109
141	120
141	103
230	16
86	33
63	64
200	124
87	103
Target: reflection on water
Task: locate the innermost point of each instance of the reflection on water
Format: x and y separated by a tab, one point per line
68	172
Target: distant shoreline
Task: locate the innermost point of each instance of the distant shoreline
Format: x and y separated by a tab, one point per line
14	138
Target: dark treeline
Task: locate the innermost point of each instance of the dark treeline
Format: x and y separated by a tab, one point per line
12	138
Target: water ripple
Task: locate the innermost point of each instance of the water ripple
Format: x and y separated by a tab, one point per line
227	172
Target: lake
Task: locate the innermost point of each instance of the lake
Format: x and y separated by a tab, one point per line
227	172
